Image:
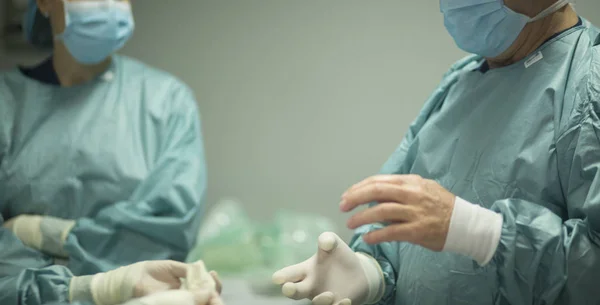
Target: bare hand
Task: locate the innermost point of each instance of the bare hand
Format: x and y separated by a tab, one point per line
417	210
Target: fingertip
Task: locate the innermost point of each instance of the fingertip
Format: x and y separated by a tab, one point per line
372	239
342	206
327	241
219	285
325	298
289	290
367	238
278	278
345	302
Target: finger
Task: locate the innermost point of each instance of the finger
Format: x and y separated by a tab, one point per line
177	269
397	232
292	274
199	278
393	179
328	241
380	213
201	297
325	298
215	277
374	192
215	300
345	302
297	291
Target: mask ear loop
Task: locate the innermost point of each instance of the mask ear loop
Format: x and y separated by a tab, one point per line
550	10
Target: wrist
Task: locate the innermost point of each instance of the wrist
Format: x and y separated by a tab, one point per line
114	287
80	289
474	231
108	288
54	232
374	275
45	233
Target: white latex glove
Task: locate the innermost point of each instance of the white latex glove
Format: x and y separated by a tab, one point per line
336	275
129	282
43	233
173	297
199	280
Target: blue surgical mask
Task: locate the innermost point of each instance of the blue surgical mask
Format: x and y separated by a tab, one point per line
96	29
487	27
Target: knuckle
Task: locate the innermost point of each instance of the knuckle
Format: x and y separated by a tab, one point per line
418	192
378	189
410	214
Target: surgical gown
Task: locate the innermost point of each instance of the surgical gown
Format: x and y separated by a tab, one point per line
524	141
122	155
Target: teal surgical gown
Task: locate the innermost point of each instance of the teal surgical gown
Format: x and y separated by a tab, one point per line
122	155
523	141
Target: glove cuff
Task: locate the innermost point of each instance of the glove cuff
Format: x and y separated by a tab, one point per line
43	233
54	234
116	286
474	231
374	276
80	289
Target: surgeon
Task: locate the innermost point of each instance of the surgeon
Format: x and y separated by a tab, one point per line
493	196
101	157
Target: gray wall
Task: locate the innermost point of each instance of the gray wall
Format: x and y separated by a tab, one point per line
300	99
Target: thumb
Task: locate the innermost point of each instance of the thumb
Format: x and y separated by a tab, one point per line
215	276
328	242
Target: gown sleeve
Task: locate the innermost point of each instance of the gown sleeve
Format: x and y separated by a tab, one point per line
162	217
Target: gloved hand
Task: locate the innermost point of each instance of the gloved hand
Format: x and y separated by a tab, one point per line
173	297
43	233
336	275
199	280
129	282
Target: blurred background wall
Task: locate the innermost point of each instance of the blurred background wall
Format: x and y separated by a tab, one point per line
299	99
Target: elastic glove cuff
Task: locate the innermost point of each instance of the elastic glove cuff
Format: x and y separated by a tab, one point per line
54	234
80	289
474	231
374	276
44	233
115	287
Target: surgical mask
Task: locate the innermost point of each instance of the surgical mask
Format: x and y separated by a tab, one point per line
487	27
94	29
